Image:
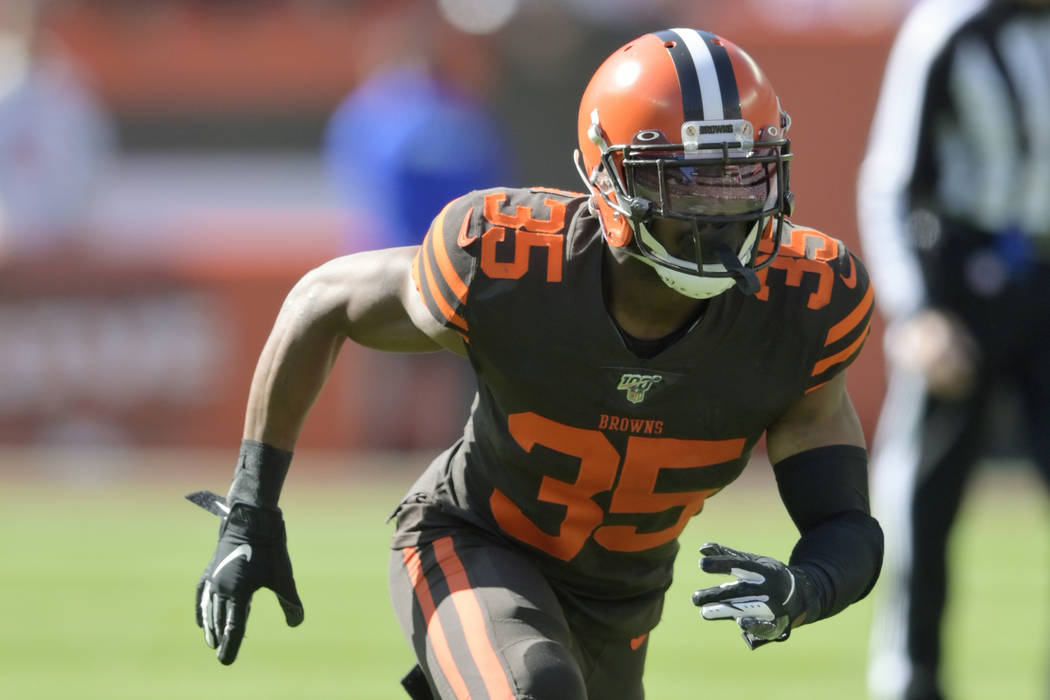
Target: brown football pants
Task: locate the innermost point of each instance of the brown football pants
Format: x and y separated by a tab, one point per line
485	623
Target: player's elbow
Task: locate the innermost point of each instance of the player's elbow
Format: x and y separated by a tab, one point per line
319	294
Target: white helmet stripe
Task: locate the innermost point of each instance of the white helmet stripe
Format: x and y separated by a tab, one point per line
706	73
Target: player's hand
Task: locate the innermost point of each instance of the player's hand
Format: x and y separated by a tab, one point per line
767	598
252	553
938	346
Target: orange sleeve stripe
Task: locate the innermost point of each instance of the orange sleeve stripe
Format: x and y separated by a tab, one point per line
855	317
439	298
473	621
827	362
815	387
448	271
435	631
555	190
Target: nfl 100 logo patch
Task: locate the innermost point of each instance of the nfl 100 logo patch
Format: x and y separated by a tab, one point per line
637	385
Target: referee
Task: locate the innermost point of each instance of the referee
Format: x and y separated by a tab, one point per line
954	205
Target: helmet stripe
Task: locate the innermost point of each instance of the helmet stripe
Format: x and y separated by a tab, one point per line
704	67
726	76
686	67
705	74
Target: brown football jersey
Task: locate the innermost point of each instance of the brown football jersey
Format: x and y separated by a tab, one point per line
579	451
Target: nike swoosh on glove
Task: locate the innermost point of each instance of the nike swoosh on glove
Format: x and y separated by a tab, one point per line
767	598
252	553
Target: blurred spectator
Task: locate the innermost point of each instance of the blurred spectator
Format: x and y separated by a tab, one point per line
55	138
955	222
402	145
405	142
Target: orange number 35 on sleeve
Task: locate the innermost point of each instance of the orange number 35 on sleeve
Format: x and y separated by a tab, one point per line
529	233
645	458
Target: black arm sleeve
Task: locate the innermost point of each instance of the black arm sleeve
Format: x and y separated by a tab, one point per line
825	491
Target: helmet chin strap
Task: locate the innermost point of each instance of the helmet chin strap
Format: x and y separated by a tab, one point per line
740	274
745	278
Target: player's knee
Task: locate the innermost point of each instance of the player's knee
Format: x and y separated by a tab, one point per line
551	673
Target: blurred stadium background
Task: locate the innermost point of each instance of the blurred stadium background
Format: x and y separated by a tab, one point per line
166	174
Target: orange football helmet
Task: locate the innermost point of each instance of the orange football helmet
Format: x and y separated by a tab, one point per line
682	124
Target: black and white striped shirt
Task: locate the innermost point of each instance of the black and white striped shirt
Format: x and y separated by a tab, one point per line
961	130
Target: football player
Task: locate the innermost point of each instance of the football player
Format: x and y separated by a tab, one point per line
632	345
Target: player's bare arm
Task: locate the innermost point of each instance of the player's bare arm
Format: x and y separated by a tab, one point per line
820	418
369	298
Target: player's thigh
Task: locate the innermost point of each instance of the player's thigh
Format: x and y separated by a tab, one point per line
613	668
483	621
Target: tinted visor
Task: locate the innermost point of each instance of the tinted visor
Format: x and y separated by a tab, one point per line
700	207
689	188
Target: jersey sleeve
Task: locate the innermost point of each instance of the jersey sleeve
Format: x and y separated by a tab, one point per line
444	265
848	318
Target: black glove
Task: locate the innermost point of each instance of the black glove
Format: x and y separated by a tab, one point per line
252	553
767	599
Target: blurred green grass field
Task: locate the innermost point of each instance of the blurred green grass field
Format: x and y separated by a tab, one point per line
98	577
